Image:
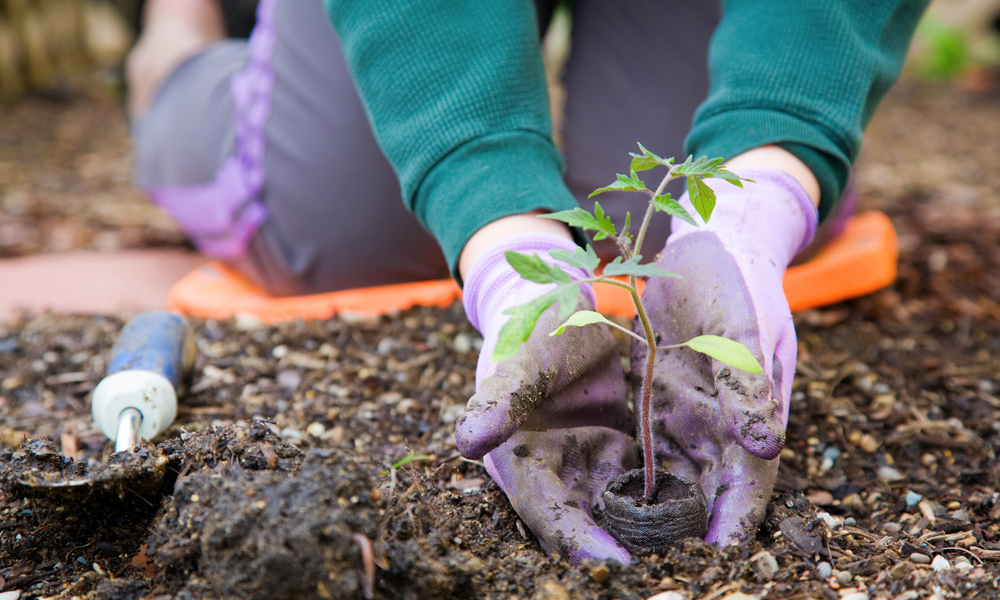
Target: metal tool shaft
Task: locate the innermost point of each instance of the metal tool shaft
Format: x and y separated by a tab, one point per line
128	429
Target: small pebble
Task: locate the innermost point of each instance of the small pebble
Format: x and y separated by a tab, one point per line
337	434
600	573
291	432
850	522
908	595
550	590
868	443
887	473
843	577
920	559
787	453
247	322
462	343
831	453
855	596
912	499
387	345
927	511
892	527
316	429
940	563
883	402
824	570
671	595
406	405
765	563
831	521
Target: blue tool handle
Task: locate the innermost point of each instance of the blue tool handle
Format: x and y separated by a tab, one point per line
157	341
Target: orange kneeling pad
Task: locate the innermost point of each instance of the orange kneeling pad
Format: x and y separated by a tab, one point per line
861	260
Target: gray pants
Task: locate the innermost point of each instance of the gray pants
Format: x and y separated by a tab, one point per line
269	139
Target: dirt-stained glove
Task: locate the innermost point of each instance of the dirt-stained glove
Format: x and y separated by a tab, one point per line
551	423
714	424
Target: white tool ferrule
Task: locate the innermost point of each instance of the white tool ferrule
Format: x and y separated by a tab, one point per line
146	391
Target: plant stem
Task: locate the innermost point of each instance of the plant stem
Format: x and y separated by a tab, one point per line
650	210
646	392
645	397
626	330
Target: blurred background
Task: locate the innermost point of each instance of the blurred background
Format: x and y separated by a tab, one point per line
65	166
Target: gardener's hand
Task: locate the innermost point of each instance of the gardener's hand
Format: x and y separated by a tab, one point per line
714	424
552	421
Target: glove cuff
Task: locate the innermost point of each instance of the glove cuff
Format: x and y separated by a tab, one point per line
492	285
773	213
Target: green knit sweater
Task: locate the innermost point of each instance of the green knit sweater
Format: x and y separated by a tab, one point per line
455	92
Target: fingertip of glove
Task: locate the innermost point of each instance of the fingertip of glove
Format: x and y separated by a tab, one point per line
609	552
760	439
601	546
469	444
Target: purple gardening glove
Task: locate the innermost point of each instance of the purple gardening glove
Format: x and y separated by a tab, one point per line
714	424
553	420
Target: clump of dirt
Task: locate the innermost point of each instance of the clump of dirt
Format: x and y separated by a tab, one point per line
109	508
38	469
269	534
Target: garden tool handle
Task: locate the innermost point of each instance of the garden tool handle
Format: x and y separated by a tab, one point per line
149	366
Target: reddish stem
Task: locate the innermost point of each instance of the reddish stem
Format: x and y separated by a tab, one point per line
645	420
646	427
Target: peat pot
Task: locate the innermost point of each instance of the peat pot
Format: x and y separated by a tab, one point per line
677	512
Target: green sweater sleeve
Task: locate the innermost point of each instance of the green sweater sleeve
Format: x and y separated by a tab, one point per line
805	75
456	95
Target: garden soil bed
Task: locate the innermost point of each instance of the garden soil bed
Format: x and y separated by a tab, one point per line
317	459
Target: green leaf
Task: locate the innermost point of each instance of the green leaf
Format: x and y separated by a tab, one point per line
568	296
624	183
702	197
585	259
525	316
647	160
584	220
632	267
533	268
670	206
411	457
518	329
707	168
726	351
642	163
732	178
700	167
581	318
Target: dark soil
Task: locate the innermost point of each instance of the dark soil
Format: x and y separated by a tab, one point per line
317	459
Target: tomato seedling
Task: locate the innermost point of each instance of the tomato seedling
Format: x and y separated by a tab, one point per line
623	271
